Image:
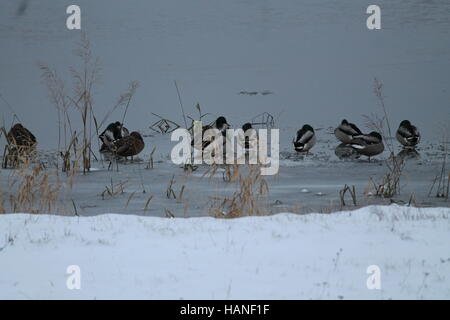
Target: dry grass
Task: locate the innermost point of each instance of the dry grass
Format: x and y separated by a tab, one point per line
352	192
248	200
170	193
389	186
147	203
442	186
85	77
73	145
32	191
150	160
2	202
114	189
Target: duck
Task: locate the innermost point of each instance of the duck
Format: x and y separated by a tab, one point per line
407	134
247	126
128	146
368	144
305	140
220	124
20	136
346	131
114	131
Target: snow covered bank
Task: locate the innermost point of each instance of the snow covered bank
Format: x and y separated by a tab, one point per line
282	256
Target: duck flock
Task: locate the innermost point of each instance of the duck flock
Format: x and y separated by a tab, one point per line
354	143
117	141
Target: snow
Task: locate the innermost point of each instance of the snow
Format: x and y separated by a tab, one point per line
284	256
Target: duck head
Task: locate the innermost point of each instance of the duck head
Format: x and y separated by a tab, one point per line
376	135
405	123
136	135
247	126
221	123
307	127
344	122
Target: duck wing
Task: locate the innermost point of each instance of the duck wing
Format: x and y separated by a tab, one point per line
415	134
355	129
128	146
350	129
123	146
358	143
304	136
370	139
405	132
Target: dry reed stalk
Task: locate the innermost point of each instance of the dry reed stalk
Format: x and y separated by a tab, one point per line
59	98
390	183
442	187
129	199
32	191
2	202
169	213
170	192
246	201
147	203
150	160
180	196
352	192
114	189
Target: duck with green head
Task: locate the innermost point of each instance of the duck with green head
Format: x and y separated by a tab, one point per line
407	134
368	144
305	139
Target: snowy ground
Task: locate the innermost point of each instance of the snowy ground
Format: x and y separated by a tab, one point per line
284	256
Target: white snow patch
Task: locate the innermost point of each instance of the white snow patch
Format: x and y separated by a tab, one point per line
282	256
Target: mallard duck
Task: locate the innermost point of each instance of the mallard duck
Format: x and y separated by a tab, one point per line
305	140
220	124
346	131
368	144
247	126
407	134
114	131
128	146
20	136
